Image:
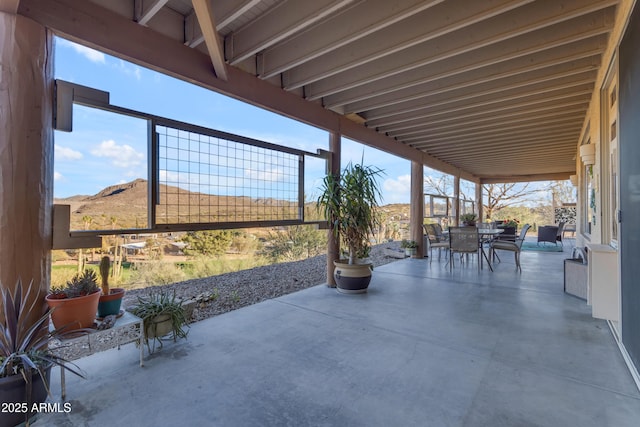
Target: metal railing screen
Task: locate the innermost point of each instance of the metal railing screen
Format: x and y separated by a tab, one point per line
209	178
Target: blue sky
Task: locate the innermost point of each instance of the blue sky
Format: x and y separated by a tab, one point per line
105	149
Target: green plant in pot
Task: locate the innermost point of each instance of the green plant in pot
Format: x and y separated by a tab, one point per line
76	303
410	246
25	357
163	314
111	299
469	219
349	204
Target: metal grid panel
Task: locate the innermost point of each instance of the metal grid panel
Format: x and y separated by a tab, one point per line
211	179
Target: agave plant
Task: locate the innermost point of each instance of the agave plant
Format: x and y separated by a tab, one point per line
79	285
24	343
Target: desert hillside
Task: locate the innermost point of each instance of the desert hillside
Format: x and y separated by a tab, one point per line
125	206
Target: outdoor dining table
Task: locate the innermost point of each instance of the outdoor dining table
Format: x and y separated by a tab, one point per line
484	235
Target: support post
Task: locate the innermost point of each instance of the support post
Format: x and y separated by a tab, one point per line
417	207
26	152
333	245
456	200
479	201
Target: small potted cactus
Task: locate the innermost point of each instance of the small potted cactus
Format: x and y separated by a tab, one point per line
74	306
111	299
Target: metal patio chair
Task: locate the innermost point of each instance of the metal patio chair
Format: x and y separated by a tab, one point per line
463	240
436	239
506	245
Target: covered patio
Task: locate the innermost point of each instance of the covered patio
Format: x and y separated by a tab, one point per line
488	92
424	347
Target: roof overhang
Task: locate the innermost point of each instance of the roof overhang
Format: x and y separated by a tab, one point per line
490	91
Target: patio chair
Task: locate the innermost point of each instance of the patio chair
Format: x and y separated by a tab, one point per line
506	245
436	239
560	233
551	233
463	240
547	233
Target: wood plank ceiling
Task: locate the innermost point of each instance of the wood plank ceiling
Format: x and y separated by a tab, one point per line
496	88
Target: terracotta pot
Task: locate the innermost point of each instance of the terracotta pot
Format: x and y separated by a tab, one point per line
352	278
110	304
74	313
13	391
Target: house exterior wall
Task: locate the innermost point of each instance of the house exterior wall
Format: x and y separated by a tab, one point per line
595	130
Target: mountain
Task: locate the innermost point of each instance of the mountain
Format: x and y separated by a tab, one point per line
125	206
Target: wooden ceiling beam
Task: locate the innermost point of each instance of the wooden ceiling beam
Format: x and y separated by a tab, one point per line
435	78
86	23
496	141
228	11
506	153
546	109
282	21
557	176
453	137
147	9
464	55
546	76
446	30
497	102
435	22
343	28
204	13
495	106
567	119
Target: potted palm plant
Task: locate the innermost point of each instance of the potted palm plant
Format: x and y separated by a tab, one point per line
349	204
25	357
76	303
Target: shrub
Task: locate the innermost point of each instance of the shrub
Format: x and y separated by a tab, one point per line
157	273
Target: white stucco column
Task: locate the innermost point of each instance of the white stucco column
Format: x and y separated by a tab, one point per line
26	151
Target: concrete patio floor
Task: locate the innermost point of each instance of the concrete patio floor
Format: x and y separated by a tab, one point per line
424	347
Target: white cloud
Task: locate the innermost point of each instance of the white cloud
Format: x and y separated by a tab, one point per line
122	156
64	153
129	69
397	190
91	54
271	175
57	176
401	184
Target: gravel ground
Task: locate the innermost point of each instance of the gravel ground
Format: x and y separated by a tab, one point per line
226	292
220	294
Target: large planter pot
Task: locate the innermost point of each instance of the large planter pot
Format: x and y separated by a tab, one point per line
13	391
74	313
352	278
110	304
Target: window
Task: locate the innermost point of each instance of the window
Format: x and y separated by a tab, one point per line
610	160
